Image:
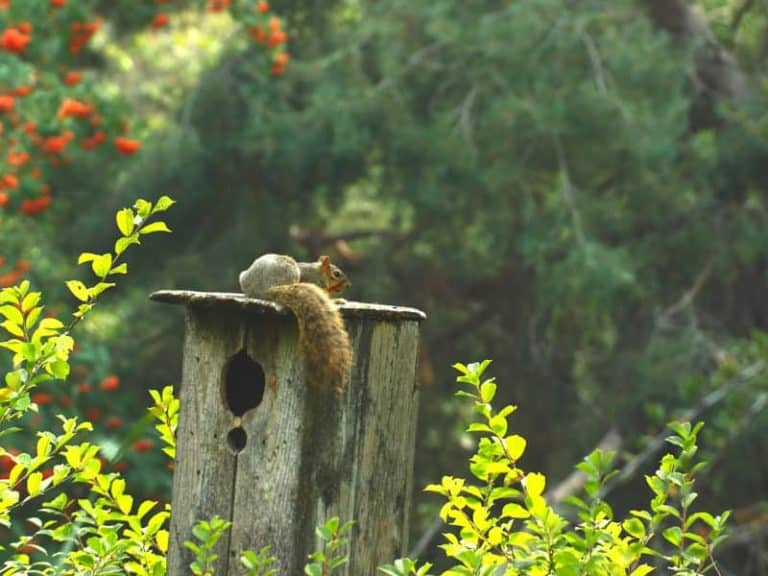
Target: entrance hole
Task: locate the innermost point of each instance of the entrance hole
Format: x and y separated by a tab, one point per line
244	384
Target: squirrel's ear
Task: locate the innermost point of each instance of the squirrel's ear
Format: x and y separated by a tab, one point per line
324	261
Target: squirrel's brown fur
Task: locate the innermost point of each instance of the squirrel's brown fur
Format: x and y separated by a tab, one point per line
323	339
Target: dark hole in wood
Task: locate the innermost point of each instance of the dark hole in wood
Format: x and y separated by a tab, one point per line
244	384
237	439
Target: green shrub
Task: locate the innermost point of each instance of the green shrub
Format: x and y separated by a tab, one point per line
69	516
503	524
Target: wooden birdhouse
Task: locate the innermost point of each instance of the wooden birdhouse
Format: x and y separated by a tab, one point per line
258	447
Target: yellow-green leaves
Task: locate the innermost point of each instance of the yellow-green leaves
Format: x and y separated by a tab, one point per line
34	483
101	264
161	539
132	223
125	221
515	446
504	519
111	534
534	484
166	412
155	227
78	289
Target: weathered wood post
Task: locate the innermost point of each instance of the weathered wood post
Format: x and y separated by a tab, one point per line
259	448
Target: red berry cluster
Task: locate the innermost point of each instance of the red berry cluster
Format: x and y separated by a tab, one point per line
51	130
263	29
11	275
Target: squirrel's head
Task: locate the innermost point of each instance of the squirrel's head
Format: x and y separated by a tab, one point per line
335	280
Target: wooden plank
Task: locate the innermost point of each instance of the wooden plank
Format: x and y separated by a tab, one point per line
382	448
204	468
267	484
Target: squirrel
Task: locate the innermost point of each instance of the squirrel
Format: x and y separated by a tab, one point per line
307	288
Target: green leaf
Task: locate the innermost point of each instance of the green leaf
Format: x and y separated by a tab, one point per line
514	510
82	310
13	314
87	257
8	296
101	265
642	570
478	427
73	456
125	503
142	207
122	243
13	329
673	535
499	425
125	221
30	301
34	483
99	288
120	269
51	324
12	345
515	446
163	203
634	528
487	391
161	539
535	483
32	317
78	290
154	227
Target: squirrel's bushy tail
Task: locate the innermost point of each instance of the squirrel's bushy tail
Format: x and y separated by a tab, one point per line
323	340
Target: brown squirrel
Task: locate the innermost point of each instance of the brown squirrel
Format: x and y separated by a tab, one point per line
306	288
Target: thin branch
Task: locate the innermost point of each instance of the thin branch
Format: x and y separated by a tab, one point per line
415	59
738	16
597	65
568	197
689	296
464	116
632	467
426	539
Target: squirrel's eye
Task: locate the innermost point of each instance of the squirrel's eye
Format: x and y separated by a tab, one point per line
336	274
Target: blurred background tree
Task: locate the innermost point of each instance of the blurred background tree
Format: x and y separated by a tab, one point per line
577	190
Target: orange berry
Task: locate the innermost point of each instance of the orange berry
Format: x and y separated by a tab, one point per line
14	40
113	422
72	78
127	146
142	445
7	103
161	19
110	383
41	398
9	181
71	107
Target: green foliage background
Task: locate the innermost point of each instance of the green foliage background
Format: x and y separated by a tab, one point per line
529	173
